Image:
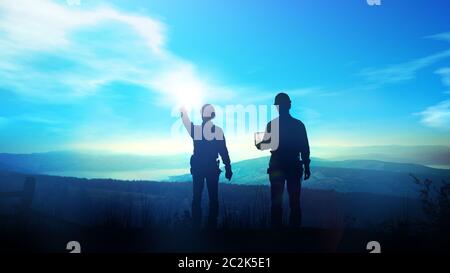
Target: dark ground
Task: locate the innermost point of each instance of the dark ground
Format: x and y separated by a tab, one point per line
149	217
184	240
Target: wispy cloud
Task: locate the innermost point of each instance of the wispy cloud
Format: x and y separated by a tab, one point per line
46	25
437	116
4	121
36	33
444	36
445	77
401	72
397	73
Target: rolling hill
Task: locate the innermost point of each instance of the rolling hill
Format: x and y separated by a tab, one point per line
370	176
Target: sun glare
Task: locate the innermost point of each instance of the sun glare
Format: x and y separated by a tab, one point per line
189	98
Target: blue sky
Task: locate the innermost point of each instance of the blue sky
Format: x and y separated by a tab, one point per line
106	75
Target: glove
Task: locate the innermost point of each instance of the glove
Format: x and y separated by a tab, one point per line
228	173
307	172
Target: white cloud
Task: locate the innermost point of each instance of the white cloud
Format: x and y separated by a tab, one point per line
402	72
43	28
397	73
46	25
437	116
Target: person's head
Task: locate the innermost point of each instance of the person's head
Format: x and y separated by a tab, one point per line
283	103
208	112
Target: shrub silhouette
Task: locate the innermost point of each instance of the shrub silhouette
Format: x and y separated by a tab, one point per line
435	205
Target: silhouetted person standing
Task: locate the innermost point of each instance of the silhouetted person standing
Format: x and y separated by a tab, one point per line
290	157
209	143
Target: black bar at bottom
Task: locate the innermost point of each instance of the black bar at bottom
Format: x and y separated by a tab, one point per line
184	262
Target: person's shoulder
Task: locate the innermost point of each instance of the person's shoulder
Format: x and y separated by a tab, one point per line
297	121
218	132
218	129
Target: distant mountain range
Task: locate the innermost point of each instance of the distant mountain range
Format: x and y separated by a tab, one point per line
370	176
356	175
84	162
96	165
430	155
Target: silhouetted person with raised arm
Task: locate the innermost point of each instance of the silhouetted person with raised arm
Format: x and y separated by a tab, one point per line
209	143
286	137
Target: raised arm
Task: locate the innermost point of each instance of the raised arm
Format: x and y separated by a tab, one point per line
186	121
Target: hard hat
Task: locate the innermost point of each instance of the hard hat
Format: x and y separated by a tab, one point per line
282	99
